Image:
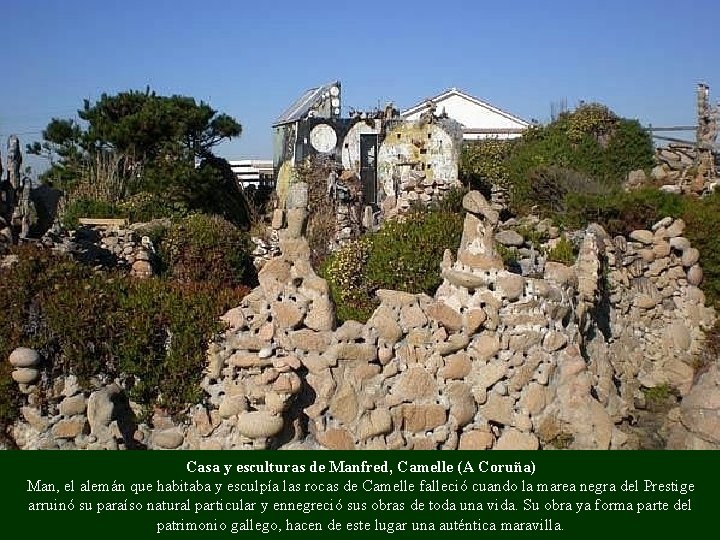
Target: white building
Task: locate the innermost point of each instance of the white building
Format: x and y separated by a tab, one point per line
479	119
253	172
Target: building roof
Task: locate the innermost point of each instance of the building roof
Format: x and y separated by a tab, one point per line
301	107
455	92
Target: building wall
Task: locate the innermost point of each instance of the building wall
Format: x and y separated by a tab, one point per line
473	116
351	144
413	149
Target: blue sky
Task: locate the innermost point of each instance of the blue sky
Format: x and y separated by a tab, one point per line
251	59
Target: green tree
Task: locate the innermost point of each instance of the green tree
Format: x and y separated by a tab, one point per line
140	142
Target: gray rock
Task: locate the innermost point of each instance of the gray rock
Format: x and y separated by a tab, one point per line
658	173
167	438
642	236
376	422
70	406
101	407
680	243
474	202
25	375
554	341
679	335
676	229
259	424
690	256
664	222
232	405
23	357
512	286
462	403
498	409
297	196
509	237
278	219
512	439
695	275
69	428
700	409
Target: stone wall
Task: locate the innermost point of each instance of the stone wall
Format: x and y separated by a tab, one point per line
495	360
106	245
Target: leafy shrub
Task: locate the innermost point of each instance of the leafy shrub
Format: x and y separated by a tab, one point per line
591	141
563	252
152	331
509	255
452	201
156	230
143	207
484	162
406	254
206	248
621	212
702	218
345	273
593	119
659	397
550	185
90	208
532	235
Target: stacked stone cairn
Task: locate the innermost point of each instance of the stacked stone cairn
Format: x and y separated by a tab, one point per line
268	247
281	326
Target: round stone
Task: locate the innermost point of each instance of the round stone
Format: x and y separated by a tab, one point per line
24	357
259	424
695	275
25	375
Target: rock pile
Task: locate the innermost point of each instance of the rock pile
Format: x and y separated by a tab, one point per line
284	323
495	360
657	315
69	418
679	169
695	425
527	256
268	247
27	368
111	246
488	363
417	187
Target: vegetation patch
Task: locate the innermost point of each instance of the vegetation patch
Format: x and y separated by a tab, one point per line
152	332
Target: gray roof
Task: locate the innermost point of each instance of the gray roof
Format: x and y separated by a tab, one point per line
299	109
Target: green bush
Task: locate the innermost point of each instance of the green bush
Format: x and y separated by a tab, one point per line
563	252
591	142
452	201
89	208
484	162
154	331
621	212
345	273
206	248
405	254
702	218
143	207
